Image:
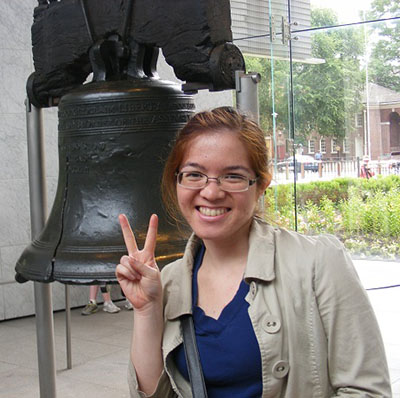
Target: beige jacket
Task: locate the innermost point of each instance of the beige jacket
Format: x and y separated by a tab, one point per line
317	332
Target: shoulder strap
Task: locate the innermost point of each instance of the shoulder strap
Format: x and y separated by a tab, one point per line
192	358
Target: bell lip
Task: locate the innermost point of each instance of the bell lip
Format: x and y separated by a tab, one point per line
55	273
87	281
23	274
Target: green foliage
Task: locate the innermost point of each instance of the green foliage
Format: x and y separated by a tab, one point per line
321	17
393	212
273	91
384	66
383	9
280	197
318	219
329	217
310	221
374	215
365	214
335	190
328	94
352	211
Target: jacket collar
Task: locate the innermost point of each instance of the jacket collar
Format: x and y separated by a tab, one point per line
260	266
260	260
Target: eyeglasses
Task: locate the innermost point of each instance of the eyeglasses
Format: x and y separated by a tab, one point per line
228	182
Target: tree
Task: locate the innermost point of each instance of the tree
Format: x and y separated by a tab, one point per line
384	66
326	95
272	98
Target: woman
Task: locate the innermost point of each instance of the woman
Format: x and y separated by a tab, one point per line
276	314
366	171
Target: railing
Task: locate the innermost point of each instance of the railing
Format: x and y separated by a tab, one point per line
328	170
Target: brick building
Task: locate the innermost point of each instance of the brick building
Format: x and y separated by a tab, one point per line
377	129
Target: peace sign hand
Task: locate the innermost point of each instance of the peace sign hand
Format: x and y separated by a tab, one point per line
137	273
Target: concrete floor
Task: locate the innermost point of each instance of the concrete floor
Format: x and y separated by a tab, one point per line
100	349
100	345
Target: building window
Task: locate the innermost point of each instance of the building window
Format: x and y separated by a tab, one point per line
333	145
322	145
359	119
346	146
311	146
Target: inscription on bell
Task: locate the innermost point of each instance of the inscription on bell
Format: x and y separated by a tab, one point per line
86	109
89	157
132	122
78	169
86	147
107	108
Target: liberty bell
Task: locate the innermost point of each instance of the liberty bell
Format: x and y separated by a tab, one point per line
113	138
115	132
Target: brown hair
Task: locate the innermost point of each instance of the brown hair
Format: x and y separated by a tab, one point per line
218	119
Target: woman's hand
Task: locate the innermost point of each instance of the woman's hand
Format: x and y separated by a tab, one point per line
138	274
139	278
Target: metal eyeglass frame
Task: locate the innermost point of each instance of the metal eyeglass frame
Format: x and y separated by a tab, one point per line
179	174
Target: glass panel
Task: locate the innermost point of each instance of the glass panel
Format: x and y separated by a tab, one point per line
326	126
333	94
264	41
350	104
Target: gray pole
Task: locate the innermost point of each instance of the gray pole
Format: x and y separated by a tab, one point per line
247	93
247	100
43	299
68	326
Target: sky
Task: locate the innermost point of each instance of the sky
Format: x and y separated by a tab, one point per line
347	10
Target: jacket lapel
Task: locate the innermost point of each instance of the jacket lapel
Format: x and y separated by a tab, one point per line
260	261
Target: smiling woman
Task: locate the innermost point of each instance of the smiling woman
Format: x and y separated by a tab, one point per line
224	216
275	313
226	119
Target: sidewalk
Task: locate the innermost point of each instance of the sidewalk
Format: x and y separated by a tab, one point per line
100	345
386	303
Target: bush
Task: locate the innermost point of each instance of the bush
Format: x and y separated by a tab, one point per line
365	214
352	211
335	190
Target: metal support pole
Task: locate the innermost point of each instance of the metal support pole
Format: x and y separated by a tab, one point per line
247	100
247	93
68	326
43	298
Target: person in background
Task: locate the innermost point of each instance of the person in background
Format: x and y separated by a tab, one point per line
318	156
108	306
276	313
366	171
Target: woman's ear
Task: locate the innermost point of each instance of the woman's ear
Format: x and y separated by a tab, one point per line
264	185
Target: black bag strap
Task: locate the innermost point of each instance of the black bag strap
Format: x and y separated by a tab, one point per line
192	358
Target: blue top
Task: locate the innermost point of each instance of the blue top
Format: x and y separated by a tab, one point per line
228	348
